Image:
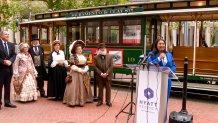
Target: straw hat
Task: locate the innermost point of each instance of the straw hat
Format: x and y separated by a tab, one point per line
72	48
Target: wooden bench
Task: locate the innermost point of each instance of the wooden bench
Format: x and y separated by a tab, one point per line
179	53
206	60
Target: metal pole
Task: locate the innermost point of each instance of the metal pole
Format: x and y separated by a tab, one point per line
184	94
95	97
195	43
95	88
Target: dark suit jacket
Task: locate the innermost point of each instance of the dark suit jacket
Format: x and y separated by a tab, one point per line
4	56
41	53
99	66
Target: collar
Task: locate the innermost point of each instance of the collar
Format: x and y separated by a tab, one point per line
4	42
36	45
57	52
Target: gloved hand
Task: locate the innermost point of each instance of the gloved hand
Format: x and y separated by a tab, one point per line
53	64
16	77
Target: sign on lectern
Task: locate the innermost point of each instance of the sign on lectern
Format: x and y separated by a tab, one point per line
152	85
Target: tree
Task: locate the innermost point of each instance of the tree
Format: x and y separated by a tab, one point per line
23	9
15	10
73	4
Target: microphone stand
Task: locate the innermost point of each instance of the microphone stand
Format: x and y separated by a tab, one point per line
141	62
131	103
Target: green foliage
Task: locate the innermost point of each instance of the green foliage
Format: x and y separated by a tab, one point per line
212	40
92	3
73	4
7	13
174	26
23	9
16	10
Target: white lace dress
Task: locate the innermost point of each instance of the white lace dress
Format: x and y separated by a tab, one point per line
22	64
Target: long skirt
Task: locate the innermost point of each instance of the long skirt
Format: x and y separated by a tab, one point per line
29	91
76	92
56	82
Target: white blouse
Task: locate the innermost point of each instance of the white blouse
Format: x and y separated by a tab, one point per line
58	58
82	60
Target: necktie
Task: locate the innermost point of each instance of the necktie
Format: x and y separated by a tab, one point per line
36	50
57	52
102	58
6	48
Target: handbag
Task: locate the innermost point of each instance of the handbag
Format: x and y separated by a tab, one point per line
68	79
17	86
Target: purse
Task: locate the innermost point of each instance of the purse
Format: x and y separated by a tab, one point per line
17	86
68	79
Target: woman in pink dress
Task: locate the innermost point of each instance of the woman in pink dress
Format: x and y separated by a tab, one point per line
25	73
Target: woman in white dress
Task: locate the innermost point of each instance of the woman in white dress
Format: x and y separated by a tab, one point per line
25	73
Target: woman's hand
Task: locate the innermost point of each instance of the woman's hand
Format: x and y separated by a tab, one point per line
83	71
68	68
162	55
36	75
16	77
61	63
53	64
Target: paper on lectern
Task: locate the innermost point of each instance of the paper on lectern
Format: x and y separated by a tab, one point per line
166	70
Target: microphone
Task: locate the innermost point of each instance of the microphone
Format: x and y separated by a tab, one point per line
150	54
142	58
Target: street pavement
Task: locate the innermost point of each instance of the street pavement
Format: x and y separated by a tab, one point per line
45	110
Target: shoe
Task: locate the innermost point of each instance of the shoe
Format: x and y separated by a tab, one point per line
109	104
56	98
99	104
10	105
43	95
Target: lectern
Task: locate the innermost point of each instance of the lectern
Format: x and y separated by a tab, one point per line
152	85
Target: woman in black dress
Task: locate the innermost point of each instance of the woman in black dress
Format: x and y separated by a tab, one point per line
57	72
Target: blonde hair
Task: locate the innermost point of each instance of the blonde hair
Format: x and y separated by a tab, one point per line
22	46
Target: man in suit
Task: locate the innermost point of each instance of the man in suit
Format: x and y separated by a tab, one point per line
37	54
103	67
7	57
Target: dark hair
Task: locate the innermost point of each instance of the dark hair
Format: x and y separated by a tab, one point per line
155	50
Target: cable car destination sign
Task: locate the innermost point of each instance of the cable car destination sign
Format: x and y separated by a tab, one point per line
104	12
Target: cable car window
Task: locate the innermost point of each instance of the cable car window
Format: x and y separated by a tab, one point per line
132	32
111	32
25	33
35	30
92	32
75	31
44	36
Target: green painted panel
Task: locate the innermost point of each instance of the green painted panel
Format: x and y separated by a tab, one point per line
131	56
